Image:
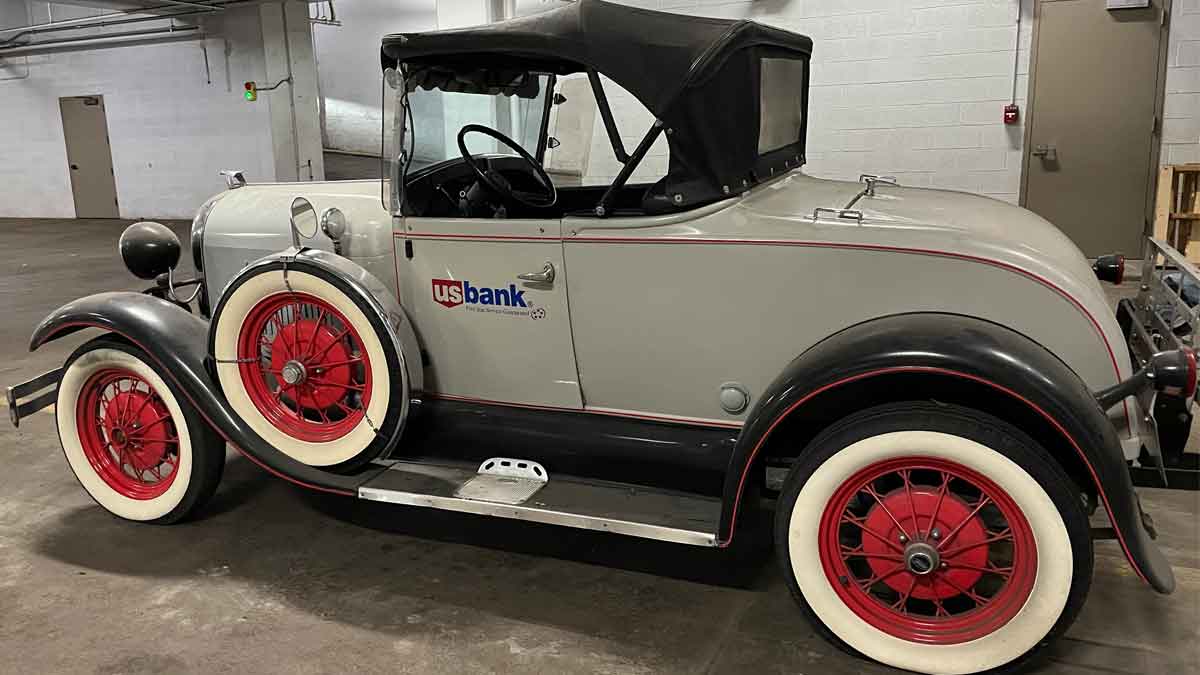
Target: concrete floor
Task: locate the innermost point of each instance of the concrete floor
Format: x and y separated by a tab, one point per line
276	580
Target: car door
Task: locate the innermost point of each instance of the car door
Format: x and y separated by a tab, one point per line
489	334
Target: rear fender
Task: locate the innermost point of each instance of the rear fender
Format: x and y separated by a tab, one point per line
972	351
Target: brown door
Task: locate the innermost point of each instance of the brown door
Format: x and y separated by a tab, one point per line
89	156
1092	135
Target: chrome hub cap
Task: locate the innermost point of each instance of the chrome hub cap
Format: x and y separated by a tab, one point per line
293	372
921	558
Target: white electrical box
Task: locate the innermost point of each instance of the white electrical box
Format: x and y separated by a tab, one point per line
1127	4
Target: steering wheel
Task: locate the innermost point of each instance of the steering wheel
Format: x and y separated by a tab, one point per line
496	181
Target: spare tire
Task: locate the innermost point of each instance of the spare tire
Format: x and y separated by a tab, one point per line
306	358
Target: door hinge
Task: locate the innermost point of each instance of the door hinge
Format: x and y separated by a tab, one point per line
408	250
1155	126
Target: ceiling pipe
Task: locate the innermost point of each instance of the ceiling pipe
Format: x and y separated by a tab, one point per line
109	40
124	18
181	3
85	20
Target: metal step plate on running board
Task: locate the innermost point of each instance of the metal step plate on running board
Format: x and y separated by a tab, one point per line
520	494
504	481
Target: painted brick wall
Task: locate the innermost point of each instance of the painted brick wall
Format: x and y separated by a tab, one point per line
170	129
913	88
1181	115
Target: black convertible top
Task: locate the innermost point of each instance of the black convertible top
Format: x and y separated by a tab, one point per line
651	54
701	76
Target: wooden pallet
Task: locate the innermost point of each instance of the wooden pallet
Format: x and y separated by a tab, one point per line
1177	208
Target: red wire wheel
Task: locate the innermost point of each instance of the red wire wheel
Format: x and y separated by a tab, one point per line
127	434
305	367
928	550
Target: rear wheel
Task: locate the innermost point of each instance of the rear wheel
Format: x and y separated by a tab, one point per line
934	538
140	450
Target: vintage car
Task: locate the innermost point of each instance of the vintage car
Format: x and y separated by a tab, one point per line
940	374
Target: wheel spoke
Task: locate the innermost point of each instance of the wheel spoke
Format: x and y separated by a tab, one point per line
869	489
330	383
905	474
983	501
278	334
335	364
1005	535
312	341
862	525
155	422
901	604
329	346
937	507
345	408
1004	572
979	600
860	552
866	584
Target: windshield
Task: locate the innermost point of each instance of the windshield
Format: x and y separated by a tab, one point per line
437	117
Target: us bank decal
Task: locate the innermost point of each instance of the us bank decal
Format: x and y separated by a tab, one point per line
511	301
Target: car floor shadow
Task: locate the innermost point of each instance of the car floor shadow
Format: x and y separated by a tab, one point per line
370	564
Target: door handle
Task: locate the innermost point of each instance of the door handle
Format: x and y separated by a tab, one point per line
546	276
1046	152
74	167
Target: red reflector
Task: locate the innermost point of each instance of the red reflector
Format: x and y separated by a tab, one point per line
1190	390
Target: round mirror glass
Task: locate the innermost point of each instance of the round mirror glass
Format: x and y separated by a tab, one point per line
333	223
304	218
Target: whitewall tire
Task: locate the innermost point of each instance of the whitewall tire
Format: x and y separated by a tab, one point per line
307	366
934	539
135	445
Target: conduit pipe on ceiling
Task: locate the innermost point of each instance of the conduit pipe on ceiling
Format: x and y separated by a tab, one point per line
102	22
109	39
84	21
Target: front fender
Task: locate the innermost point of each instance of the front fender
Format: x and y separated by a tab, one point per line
972	351
177	341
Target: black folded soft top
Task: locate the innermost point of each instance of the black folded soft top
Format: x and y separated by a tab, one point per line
701	76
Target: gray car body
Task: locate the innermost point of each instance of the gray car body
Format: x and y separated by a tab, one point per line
664	310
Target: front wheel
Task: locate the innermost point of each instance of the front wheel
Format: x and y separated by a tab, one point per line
934	538
136	446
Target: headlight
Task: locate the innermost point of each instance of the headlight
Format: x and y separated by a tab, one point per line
198	232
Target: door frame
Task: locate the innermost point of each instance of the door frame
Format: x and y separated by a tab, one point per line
1160	88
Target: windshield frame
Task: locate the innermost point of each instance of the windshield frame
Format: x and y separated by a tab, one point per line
398	158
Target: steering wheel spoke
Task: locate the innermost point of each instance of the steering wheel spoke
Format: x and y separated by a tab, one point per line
489	175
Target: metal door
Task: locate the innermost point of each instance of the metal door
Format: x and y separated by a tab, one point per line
488	298
89	156
1093	121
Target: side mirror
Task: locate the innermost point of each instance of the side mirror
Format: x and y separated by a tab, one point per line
149	249
304	220
553	142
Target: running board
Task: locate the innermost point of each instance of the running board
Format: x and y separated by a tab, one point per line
622	508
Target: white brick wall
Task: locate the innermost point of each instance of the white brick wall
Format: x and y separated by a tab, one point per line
1181	114
914	88
169	128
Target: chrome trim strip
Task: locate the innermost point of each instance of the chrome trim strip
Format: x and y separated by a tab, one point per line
526	513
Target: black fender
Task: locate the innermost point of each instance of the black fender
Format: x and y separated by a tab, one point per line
976	352
177	341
